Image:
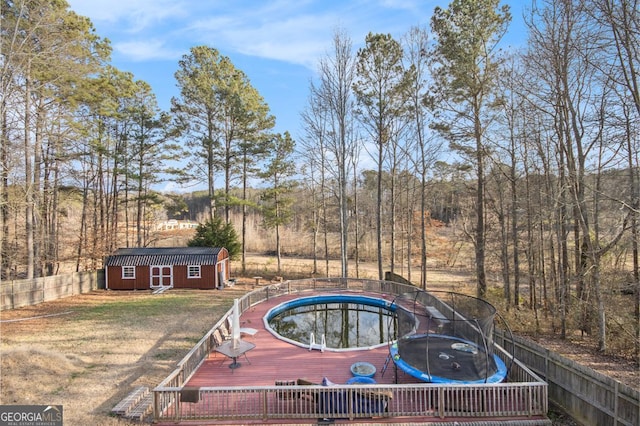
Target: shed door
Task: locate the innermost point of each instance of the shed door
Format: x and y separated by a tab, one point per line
161	276
223	272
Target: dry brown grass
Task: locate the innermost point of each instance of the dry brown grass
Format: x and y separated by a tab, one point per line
99	346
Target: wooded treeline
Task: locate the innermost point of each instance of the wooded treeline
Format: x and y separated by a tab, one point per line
72	121
531	153
548	135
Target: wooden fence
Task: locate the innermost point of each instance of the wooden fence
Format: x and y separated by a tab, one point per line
19	293
587	396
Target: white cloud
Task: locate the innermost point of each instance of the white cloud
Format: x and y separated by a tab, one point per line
298	40
131	15
145	50
297	32
411	5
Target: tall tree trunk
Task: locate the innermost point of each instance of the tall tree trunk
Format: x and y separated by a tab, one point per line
344	218
635	203
4	192
595	256
562	234
278	254
51	195
379	208
409	234
423	232
244	212
139	215
356	222
28	173
392	216
480	201
98	234
514	222
39	230
82	233
325	230
314	235
121	162
227	178
504	247
211	174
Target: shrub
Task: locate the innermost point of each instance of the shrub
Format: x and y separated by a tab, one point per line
216	233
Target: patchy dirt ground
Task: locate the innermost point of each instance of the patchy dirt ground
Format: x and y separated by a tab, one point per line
583	350
87	352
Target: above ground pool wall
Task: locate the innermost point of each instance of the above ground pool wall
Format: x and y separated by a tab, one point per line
329	299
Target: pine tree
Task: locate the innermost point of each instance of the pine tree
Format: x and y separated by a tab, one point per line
467	71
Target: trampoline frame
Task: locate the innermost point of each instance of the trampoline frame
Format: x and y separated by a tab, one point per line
497	377
502	370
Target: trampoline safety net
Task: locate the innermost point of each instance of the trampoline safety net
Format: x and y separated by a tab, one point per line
446	337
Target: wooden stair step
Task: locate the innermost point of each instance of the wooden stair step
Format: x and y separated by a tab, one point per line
142	409
124	407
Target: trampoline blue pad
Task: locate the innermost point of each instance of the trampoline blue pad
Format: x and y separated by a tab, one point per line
432	358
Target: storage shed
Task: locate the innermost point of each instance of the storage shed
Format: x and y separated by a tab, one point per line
167	267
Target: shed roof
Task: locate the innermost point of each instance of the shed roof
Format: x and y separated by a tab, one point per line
144	256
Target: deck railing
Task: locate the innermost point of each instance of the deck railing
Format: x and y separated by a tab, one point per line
506	400
524	394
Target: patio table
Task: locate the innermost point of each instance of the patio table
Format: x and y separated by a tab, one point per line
232	351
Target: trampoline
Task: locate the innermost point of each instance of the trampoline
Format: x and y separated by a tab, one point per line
452	343
446	359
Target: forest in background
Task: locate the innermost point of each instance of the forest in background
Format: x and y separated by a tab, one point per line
529	157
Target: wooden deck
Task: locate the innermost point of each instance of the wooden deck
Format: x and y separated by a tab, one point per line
276	360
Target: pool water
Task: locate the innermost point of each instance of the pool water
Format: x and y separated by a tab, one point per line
344	324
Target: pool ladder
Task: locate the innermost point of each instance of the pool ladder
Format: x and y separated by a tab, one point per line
313	345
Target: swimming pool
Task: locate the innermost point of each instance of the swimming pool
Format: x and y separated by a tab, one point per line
347	322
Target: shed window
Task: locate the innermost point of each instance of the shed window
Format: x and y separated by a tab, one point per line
128	272
193	271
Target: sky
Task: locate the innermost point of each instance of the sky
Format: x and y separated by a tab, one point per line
276	43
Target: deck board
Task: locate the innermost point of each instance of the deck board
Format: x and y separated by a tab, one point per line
274	359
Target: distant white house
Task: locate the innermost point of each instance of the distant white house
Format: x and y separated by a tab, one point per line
172	224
